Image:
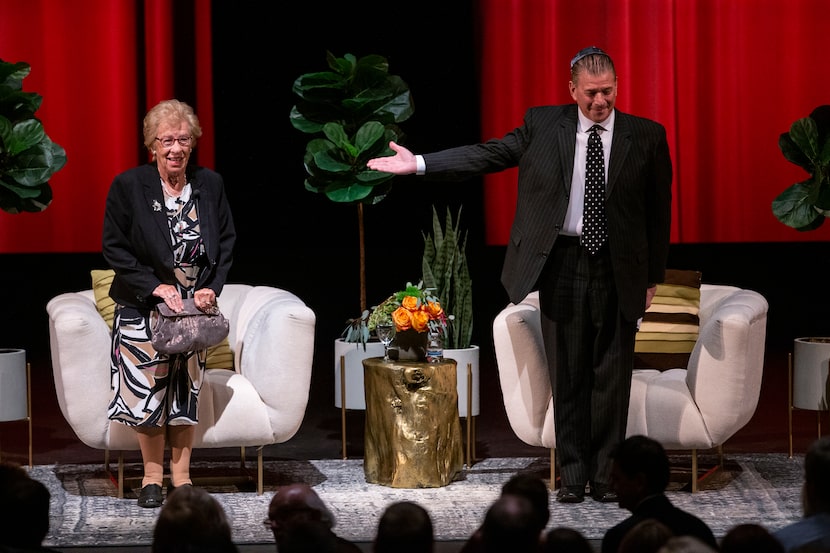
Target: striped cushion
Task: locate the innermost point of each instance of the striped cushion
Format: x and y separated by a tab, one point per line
219	356
669	329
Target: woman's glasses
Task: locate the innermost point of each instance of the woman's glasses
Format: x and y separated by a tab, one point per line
168	141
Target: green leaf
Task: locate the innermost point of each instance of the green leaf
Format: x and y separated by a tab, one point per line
327	162
352	192
804	133
793	153
24	135
368	135
11	74
302	123
794	208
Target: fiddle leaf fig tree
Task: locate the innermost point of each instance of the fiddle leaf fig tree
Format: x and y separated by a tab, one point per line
804	205
351	112
28	157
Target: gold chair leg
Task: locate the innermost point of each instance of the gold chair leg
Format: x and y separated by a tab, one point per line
260	472
343	402
120	475
694	470
790	402
29	407
469	420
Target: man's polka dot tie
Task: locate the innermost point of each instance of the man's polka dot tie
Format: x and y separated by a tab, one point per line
594	225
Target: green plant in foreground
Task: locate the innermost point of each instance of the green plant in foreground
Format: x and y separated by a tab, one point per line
28	157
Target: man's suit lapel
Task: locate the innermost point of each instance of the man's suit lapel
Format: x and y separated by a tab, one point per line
620	147
566	142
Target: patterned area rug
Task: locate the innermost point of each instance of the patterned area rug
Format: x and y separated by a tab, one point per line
85	510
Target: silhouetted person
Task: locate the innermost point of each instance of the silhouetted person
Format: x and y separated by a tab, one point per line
298	503
510	525
308	536
640	473
750	538
647	536
686	544
190	521
24	510
524	485
565	540
814	528
404	527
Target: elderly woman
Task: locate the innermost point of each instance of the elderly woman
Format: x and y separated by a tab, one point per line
168	235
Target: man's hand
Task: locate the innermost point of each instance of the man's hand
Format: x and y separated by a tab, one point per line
402	163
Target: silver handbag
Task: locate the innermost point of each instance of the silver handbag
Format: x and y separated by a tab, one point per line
191	329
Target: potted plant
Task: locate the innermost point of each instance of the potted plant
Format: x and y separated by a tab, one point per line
804	205
352	112
446	271
28	157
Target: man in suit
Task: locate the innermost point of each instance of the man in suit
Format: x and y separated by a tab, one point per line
640	475
592	292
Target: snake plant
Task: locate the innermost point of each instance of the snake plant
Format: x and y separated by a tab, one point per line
445	270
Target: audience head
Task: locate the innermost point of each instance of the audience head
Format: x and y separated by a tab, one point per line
565	540
24	508
685	544
192	520
647	536
535	490
816	490
308	536
404	527
510	524
750	538
294	503
640	468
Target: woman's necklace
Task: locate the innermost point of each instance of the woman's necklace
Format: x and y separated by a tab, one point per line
175	201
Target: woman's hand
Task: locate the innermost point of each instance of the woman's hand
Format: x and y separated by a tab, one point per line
170	295
205	299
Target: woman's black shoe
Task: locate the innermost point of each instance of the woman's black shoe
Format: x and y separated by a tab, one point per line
150	496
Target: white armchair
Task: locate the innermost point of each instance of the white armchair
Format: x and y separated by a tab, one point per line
699	406
261	401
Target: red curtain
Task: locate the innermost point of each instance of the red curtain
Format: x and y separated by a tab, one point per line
725	78
98	76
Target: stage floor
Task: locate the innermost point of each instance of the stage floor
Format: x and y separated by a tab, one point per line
320	436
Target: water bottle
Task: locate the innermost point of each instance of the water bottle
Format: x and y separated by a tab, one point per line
435	347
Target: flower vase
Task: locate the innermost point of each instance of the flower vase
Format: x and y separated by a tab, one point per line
411	344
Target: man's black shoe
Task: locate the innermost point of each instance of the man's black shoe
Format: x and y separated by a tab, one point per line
150	496
571	494
603	494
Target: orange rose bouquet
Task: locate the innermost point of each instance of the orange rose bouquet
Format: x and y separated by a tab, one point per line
414	308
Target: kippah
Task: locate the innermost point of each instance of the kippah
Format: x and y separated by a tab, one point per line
586	52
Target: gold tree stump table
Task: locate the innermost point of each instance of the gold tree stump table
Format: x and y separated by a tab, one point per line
413	433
